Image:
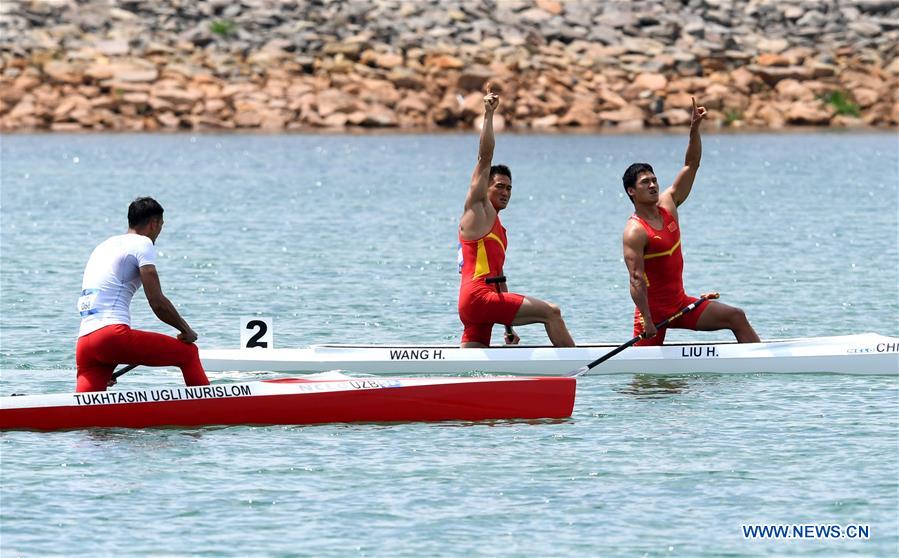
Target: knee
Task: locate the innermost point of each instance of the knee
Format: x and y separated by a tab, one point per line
738	318
191	351
553	313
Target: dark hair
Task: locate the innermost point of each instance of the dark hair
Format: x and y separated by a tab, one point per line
630	176
500	169
142	210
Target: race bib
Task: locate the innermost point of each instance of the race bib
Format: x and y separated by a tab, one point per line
86	302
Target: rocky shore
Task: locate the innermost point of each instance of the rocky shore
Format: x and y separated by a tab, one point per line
130	65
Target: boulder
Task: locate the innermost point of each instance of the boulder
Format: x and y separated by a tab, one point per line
544	122
63	72
806	112
474	78
388	61
580	114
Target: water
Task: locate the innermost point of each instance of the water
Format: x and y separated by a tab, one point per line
352	239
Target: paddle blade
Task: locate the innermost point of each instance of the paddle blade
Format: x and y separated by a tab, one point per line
579	372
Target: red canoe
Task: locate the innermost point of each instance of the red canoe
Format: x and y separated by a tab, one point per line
334	398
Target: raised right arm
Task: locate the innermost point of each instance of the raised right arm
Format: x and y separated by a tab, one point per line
476	218
480	178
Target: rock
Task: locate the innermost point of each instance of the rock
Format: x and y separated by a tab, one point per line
792	90
406	79
681	99
379	116
350	50
865	97
774	45
116	47
769	59
771	75
650	82
473	105
580	114
379	91
628	113
247	119
335	120
742	79
136	98
168	120
333	100
550	6
844	121
24	109
177	97
499	123
412	103
893	67
388	61
274	120
444	62
866	28
548	121
130	71
11	95
675	117
772	117
535	16
474	78
63	72
805	112
630	125
66	127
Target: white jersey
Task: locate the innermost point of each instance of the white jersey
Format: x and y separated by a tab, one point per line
111	278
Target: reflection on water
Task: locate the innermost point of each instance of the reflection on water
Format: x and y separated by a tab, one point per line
654	387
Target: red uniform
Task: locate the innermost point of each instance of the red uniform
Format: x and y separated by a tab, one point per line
480	306
99	352
663	267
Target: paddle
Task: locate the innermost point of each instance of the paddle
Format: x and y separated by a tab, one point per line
497	281
125	370
583	369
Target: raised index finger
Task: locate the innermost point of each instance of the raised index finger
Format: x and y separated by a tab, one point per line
694	102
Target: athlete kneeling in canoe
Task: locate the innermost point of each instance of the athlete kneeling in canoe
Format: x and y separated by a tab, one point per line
114	272
482	245
652	253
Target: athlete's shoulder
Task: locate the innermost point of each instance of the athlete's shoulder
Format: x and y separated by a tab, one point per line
634	230
141	247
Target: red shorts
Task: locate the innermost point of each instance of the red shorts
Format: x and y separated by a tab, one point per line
659	313
480	307
99	352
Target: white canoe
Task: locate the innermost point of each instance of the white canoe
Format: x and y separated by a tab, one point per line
863	354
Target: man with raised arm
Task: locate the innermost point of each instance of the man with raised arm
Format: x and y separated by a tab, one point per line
652	253
482	240
114	272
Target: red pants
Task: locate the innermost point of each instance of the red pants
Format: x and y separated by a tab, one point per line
480	306
99	352
659	313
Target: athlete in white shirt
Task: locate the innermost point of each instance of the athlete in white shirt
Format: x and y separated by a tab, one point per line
114	272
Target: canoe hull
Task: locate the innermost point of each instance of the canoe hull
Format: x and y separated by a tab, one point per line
864	354
297	402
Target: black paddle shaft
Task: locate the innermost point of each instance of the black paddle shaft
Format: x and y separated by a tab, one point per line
125	370
498	280
688	308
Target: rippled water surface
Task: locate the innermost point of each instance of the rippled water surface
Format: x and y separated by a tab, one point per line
352	239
